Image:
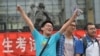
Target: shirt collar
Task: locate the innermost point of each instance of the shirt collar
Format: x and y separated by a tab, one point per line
89	38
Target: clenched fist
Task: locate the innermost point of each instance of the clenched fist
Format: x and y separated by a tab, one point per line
19	8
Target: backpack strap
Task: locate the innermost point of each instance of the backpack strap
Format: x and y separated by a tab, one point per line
44	47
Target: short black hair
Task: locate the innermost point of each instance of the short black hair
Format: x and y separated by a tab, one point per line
47	21
86	26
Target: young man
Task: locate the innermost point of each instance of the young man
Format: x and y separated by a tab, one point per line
91	44
68	44
47	28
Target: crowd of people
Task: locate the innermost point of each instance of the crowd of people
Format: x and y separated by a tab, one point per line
63	42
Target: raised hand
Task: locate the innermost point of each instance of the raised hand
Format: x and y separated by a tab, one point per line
25	17
19	8
78	12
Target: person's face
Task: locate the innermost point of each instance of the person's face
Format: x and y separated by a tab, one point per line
47	29
91	30
71	27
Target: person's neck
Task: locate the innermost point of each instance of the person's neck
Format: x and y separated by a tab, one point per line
69	35
47	35
92	37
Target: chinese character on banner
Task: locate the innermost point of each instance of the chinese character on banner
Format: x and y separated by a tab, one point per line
21	43
32	44
7	45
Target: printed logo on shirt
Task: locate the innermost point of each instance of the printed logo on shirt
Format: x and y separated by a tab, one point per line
44	42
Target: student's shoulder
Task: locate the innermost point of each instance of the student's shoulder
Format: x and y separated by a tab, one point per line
34	30
75	37
57	33
84	38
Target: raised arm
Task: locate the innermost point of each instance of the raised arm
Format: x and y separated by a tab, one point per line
63	28
25	17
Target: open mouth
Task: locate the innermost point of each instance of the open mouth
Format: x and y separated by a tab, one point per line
49	30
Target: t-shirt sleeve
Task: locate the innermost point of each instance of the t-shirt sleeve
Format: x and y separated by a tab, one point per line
79	47
36	35
57	35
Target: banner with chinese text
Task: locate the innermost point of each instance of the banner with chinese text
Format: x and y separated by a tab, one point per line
23	44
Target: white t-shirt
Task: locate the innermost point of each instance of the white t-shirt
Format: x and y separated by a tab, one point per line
92	49
69	48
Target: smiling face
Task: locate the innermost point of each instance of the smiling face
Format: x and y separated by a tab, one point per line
47	28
